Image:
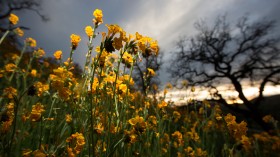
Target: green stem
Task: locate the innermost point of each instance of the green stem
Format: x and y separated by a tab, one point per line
18	61
4	36
91	98
17	101
51	108
70	58
41	130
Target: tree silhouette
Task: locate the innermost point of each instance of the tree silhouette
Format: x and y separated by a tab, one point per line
244	53
9	6
142	80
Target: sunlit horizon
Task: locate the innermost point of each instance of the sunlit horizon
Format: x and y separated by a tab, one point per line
182	96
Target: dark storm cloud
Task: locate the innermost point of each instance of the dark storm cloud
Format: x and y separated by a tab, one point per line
163	20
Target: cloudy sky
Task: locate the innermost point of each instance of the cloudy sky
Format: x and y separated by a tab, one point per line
163	20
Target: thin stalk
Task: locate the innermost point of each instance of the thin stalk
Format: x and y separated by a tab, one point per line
70	59
17	102
91	103
115	84
18	61
14	123
26	73
4	36
51	108
41	131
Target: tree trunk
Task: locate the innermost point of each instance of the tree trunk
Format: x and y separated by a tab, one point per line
255	113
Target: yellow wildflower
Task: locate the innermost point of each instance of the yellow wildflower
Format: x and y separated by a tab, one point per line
152	121
97	49
39	153
127	79
31	42
41	88
39	53
151	72
98	16
5	126
189	151
268	118
229	118
138	36
57	54
178	138
68	118
99	128
122	88
245	142
70	152
7	122
33	72
138	124
75	39
19	32
162	104
130	137
235	129
78	141
1	73
36	112
15	57
176	115
10	67
89	31
200	152
154	47
13	19
100	147
113	29
64	93
127	59
118	43
9	92
218	117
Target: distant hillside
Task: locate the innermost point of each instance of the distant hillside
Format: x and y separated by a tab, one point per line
271	105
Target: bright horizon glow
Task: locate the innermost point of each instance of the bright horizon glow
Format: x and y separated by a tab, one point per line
180	97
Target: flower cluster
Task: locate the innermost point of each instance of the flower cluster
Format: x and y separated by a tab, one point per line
75	39
89	31
13	19
39	53
237	130
85	109
36	112
63	81
9	118
31	42
76	143
57	54
98	16
138	123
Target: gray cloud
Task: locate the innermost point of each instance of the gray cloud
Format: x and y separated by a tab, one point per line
163	20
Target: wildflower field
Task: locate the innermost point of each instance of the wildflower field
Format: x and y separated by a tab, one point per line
48	110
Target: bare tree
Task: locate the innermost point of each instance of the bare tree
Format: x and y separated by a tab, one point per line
9	6
246	52
142	80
